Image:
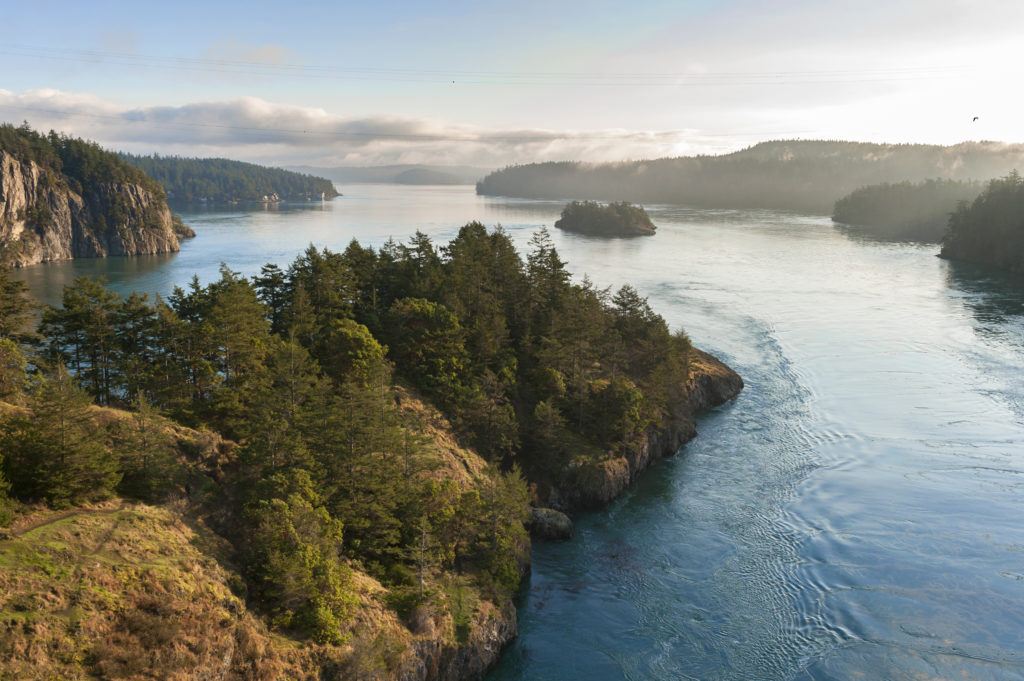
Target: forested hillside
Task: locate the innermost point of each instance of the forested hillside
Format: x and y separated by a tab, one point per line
905	210
990	230
284	412
220	180
787	175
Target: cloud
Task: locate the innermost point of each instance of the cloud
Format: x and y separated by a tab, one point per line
255	129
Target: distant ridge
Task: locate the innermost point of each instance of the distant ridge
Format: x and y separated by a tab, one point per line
224	181
398	174
798	175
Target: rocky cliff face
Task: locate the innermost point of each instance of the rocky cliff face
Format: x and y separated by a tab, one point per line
596	483
43	219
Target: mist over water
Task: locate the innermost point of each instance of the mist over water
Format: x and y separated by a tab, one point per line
856	513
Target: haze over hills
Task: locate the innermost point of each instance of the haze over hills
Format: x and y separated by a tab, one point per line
398	174
799	175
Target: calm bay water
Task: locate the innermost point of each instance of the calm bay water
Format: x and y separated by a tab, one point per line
857	513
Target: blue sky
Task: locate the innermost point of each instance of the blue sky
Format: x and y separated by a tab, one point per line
532	80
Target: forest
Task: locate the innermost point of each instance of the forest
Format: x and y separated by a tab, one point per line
990	230
223	181
85	165
614	219
306	369
797	175
914	211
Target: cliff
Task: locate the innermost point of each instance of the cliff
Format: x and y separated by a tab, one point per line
42	218
594	483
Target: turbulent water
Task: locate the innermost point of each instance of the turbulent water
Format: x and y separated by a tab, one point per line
857	513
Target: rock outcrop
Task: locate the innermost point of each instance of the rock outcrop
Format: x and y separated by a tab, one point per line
547	523
42	218
595	483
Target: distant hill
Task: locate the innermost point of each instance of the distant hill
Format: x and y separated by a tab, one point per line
221	180
398	174
915	211
798	175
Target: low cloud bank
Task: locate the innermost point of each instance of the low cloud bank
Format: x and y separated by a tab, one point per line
254	129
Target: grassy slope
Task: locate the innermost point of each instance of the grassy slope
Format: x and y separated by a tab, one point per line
124	590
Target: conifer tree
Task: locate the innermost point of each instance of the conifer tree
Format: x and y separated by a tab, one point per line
295	559
82	334
15	307
12	369
56	452
149	460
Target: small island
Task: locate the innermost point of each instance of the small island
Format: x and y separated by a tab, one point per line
614	219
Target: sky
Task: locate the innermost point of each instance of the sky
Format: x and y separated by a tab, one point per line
493	83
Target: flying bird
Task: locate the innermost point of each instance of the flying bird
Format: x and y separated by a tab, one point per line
975	120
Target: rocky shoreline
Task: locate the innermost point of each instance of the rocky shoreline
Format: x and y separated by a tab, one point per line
42	219
712	383
595	484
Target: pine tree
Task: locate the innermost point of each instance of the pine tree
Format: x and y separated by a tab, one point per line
295	560
136	328
15	307
282	412
12	369
82	334
56	452
149	459
272	289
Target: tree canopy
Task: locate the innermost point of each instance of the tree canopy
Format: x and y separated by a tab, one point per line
990	230
905	210
613	219
221	180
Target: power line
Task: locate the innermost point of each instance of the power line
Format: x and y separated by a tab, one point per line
481	77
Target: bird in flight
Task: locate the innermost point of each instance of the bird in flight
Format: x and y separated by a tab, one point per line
974	120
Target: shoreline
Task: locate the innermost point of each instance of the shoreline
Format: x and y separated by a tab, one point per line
711	384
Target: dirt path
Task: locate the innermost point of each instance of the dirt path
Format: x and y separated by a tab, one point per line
14	533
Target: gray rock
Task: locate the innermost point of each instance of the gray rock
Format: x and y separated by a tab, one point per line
547	523
119	218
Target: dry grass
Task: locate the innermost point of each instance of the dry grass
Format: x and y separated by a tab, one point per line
450	460
121	591
128	591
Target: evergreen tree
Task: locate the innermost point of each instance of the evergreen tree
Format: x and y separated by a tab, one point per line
272	290
295	560
12	370
283	412
427	341
136	339
82	334
149	459
56	452
15	307
349	352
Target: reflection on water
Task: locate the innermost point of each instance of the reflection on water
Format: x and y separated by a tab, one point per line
855	514
992	296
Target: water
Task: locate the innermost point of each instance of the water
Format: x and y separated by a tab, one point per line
857	513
